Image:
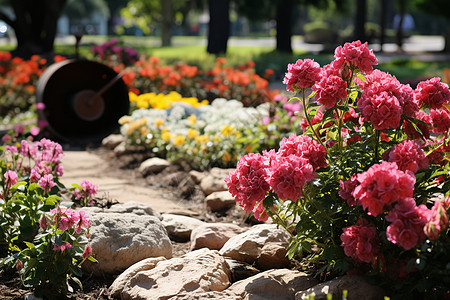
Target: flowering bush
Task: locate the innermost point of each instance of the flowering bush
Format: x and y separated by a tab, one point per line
365	188
203	136
18	78
43	241
243	84
112	53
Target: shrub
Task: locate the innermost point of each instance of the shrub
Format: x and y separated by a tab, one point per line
365	188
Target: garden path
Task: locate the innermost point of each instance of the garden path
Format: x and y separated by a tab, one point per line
113	183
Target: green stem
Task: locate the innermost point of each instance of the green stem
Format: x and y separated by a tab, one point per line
377	143
280	221
308	120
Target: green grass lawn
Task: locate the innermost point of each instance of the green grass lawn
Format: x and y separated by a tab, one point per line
192	50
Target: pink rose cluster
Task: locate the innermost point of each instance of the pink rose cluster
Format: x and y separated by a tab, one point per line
408	155
384	100
361	241
386	188
382	185
301	75
357	55
285	172
435	96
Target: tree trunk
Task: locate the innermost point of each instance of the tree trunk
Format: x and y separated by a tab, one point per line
360	21
35	25
284	25
166	36
219	26
382	23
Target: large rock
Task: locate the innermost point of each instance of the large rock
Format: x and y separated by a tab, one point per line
117	286
195	272
273	284
356	286
219	201
213	235
247	245
215	181
179	227
119	240
137	208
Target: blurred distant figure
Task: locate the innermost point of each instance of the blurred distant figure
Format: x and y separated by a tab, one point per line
407	24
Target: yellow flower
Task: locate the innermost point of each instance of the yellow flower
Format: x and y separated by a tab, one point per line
192	119
166	136
227	130
144	131
141	122
179	140
124	120
202	139
226	157
129	130
159	122
216	138
192	133
133	97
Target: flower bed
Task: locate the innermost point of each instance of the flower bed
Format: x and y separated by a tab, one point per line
43	240
365	188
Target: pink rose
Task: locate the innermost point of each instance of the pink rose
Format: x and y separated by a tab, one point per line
288	175
408	155
360	241
301	75
432	93
330	90
440	118
305	147
357	55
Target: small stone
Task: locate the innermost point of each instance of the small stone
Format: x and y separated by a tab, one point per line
112	141
213	235
178	227
215	181
219	201
134	208
153	165
197	176
273	256
247	246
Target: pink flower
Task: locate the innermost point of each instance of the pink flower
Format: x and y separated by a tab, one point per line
357	55
382	185
407	223
438	220
248	182
384	99
424	133
40	105
59	170
259	212
49	151
288	175
10	178
34	131
83	222
382	110
46	182
11	149
43	222
305	147
330	90
301	75
360	241
62	247
408	155
432	93
65	217
440	118
346	189
87	252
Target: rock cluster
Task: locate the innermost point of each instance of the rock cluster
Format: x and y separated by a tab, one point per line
135	243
